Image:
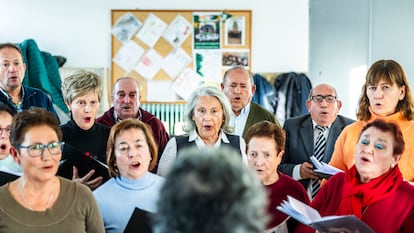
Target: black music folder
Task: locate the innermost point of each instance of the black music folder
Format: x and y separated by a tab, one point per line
140	221
6	177
84	163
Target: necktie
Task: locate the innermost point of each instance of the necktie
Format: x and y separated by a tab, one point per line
318	151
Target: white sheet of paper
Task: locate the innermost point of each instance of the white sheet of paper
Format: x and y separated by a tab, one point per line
152	30
128	55
175	62
149	64
125	27
160	91
186	82
178	31
209	62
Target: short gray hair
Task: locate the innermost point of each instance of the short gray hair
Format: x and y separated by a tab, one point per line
211	191
207	91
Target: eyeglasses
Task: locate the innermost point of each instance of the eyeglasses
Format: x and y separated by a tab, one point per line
38	150
320	98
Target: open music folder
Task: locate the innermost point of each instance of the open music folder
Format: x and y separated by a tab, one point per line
323	170
311	217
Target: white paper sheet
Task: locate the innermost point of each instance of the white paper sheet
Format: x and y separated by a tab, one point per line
149	64
125	27
186	82
128	55
208	64
175	62
178	31
151	30
160	91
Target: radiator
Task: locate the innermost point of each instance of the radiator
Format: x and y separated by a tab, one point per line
171	114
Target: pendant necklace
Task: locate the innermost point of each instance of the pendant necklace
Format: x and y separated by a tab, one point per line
27	204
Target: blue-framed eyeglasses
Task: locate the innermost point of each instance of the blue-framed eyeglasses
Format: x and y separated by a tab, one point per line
320	98
38	150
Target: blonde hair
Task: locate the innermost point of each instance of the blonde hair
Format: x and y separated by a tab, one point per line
81	83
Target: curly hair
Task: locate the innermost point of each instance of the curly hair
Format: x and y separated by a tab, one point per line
211	191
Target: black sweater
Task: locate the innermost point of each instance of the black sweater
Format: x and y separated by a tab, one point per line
92	141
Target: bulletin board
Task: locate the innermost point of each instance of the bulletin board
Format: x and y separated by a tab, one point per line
170	52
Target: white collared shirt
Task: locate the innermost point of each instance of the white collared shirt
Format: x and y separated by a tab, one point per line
170	152
296	169
239	122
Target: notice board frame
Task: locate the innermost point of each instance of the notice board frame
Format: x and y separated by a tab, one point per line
163	47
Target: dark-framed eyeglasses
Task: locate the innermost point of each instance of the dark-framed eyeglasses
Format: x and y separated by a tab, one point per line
37	150
320	98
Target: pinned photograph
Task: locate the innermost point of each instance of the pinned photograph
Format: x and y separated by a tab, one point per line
235	57
235	31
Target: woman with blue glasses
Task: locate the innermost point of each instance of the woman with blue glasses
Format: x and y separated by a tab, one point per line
39	200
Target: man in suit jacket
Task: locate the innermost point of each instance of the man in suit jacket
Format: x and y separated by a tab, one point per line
323	107
238	86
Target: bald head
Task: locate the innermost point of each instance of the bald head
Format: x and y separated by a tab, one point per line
323	104
126	97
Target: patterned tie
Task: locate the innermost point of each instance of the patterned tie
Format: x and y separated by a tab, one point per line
318	151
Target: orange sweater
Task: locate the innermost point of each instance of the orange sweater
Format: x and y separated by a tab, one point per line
343	155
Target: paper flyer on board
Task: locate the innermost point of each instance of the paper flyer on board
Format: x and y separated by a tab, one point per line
152	30
178	31
126	27
207	30
149	64
186	82
208	64
128	55
175	62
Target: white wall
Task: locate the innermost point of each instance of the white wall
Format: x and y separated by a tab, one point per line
346	37
80	29
339	35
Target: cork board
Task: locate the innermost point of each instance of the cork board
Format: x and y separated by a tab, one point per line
234	42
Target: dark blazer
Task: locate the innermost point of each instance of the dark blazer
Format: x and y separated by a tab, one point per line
299	142
257	113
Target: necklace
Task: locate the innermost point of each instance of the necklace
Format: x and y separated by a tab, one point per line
27	204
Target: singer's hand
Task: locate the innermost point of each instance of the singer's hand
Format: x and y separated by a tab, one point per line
92	184
306	171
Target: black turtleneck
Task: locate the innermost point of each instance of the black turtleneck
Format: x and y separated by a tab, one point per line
92	141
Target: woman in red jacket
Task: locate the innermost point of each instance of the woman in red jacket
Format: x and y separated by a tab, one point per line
373	189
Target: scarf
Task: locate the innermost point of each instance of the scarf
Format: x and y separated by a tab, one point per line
357	195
